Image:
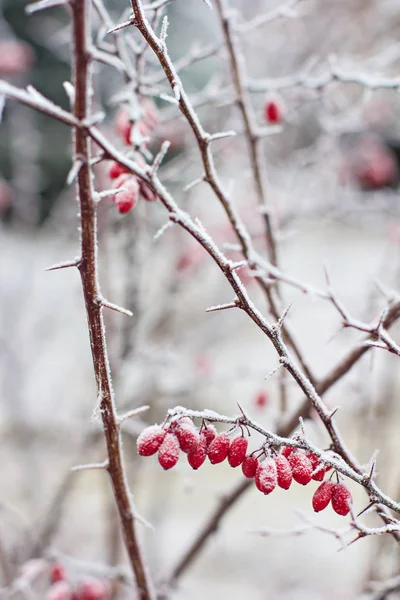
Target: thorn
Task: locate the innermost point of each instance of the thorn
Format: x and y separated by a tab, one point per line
371	471
43	4
364	510
234	304
2	106
333	412
281	364
164	29
177	92
221	135
163	229
74	170
190	185
132	413
64	265
117	308
239	265
90	466
122	25
326	273
283	317
160	157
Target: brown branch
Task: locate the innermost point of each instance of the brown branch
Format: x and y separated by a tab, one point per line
250	126
89	274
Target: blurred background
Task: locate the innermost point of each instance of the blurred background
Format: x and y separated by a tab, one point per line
332	161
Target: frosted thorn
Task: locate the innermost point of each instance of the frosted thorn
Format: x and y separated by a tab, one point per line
221	135
74	170
89	466
234	304
163	229
239	265
371	471
177	91
123	25
281	364
42	5
367	508
208	2
283	317
2	105
159	157
169	99
94	119
117	308
303	432
193	183
132	413
70	91
64	265
164	30
333	412
327	275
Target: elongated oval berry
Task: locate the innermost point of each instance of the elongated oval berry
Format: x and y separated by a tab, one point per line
94	589
207	434
116	170
316	464
284	472
168	453
197	456
301	467
341	499
57	572
218	449
188	436
322	496
249	466
273	111
150	440
237	451
59	591
127	198
286	451
266	476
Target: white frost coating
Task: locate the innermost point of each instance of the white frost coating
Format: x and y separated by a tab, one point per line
267	476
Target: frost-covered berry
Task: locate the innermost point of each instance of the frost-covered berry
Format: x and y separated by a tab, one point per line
59	591
316	464
93	589
273	111
322	496
218	449
116	170
249	466
188	436
127	198
266	476
197	456
57	572
123	125
168	453
284	472
286	451
237	451
150	440
341	499
207	434
301	467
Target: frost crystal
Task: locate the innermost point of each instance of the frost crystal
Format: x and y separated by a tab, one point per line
266	476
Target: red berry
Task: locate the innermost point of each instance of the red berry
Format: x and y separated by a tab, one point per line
207	434
93	589
301	466
126	199
57	572
261	399
218	449
237	451
249	466
284	472
341	499
116	170
168	453
315	461
273	111
197	456
286	451
150	440
322	496
188	436
266	476
59	591
123	125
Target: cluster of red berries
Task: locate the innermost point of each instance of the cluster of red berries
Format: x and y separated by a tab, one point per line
275	470
133	134
61	589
